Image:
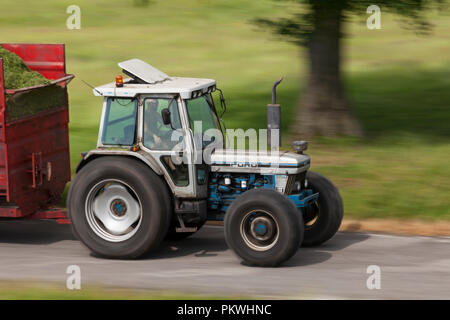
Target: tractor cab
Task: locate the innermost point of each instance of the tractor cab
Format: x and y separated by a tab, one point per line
164	120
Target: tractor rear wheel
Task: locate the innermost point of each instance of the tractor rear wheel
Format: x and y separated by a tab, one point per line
263	227
323	218
118	207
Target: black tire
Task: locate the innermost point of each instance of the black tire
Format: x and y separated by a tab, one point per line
150	191
173	235
323	220
279	209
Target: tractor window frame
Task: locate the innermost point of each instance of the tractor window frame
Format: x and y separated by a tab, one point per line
105	125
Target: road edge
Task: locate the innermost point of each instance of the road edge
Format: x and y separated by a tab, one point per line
413	227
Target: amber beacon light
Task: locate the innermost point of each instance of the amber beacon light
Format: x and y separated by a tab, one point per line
119	81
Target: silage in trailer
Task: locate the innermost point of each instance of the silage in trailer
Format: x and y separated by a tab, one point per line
18	75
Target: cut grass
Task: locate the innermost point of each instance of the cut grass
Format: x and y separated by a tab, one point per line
398	84
17	74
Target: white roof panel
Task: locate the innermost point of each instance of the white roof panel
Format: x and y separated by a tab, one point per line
182	86
142	70
156	82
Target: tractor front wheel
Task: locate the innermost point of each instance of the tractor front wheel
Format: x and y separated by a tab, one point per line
263	227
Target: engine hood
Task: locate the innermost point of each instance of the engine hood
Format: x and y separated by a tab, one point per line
275	162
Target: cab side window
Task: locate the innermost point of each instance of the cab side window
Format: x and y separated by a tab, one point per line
157	135
119	126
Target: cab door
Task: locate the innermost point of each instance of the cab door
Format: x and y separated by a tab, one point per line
171	145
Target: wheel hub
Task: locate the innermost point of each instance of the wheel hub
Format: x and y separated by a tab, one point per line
262	228
118	208
113	211
259	230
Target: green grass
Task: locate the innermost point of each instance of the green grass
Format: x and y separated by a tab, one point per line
398	84
48	291
402	178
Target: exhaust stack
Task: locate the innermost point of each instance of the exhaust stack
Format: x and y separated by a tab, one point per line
274	119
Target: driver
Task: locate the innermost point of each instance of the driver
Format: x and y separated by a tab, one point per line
153	131
153	125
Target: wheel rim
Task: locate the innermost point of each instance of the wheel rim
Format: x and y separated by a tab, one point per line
113	210
259	230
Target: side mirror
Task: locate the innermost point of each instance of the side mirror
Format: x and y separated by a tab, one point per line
165	114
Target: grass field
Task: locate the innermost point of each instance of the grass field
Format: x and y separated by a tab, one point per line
49	291
397	81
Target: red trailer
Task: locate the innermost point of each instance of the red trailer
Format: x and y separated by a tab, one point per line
34	137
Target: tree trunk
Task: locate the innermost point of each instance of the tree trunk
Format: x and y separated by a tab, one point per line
324	109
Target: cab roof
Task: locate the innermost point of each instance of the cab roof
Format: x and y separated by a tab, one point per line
147	79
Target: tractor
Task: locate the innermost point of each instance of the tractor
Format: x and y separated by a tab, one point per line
154	177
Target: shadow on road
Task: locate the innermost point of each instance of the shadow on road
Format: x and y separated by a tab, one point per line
314	255
208	242
34	232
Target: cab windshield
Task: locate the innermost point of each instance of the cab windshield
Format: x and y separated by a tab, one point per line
200	109
201	112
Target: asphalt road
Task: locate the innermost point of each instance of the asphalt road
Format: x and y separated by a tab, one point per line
411	267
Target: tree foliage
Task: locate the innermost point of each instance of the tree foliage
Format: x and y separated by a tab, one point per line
299	27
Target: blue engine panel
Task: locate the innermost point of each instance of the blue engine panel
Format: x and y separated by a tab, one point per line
225	187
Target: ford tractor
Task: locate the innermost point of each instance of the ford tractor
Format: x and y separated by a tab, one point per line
154	176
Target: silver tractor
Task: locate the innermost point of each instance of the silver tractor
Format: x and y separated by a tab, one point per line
154	176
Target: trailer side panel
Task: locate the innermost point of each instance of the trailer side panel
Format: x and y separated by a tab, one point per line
34	148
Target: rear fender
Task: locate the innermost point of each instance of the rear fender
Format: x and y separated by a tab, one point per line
93	154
